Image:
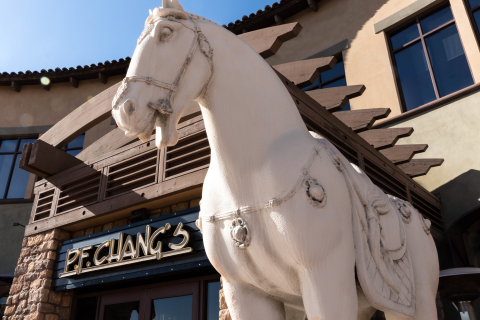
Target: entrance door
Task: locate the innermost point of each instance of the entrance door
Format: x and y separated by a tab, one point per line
174	302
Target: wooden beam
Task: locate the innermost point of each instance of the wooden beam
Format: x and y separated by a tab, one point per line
81	119
102	77
267	41
334	99
304	72
313	5
50	160
111	141
403	153
16	86
385	138
419	167
25	157
361	120
74	82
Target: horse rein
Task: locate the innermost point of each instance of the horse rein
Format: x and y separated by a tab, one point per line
198	39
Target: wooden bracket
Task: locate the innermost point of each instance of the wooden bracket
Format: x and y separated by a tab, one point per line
304	73
278	20
102	77
334	99
46	87
267	41
45	160
16	86
361	120
74	82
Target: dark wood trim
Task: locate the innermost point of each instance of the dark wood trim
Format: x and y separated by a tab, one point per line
429	106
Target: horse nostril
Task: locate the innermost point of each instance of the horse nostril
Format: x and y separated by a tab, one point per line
129	107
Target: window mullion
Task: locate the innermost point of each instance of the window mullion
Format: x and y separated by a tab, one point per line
12	167
432	76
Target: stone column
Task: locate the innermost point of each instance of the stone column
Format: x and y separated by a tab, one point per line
31	296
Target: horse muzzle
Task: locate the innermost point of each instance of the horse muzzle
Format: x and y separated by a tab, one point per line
133	120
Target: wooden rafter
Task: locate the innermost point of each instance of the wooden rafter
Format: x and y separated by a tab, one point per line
361	120
403	153
334	99
419	167
267	41
304	73
385	138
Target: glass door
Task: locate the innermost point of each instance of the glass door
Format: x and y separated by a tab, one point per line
178	302
173	302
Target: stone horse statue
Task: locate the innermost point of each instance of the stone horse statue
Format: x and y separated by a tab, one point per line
287	221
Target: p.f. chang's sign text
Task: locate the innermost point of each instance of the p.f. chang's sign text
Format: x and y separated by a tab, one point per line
121	252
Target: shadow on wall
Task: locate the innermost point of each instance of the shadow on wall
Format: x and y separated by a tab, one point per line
459	195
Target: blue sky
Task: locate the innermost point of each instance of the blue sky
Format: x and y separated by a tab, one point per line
46	34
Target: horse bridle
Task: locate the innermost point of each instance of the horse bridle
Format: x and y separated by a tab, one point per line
163	107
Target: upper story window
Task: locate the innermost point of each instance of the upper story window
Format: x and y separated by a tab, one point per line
473	7
429	59
75	146
331	78
13	180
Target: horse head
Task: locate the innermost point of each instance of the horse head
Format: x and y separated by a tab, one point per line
171	66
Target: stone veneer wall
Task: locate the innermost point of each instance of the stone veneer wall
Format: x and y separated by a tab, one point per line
31	296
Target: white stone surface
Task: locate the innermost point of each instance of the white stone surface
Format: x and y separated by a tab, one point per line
286	220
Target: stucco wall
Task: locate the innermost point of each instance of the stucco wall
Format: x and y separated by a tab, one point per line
451	132
11	237
367	61
34	106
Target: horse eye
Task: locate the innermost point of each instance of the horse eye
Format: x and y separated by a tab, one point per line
165	34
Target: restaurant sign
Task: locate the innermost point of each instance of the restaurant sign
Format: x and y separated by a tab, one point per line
125	250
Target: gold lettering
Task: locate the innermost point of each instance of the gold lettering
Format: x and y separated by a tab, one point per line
69	261
83	254
158	250
97	261
128	249
143	243
179	232
111	254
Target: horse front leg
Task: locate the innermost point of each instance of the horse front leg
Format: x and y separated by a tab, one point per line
329	290
248	303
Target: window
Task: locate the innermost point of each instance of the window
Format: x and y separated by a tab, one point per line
429	59
13	180
331	78
75	146
473	7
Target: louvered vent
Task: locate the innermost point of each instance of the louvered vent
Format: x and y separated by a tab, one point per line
133	173
189	154
44	204
384	180
428	210
80	192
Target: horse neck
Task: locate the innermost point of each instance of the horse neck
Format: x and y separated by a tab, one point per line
249	115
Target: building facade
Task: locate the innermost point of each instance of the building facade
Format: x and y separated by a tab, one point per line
418	58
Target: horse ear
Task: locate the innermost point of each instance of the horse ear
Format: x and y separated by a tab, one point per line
150	11
172	4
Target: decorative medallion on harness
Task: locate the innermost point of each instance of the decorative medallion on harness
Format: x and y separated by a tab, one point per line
239	233
315	193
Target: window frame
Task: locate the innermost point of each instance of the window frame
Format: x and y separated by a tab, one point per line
421	38
16	153
473	22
